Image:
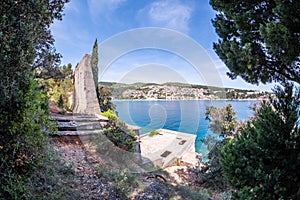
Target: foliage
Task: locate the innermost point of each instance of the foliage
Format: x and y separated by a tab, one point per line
259	40
109	114
94	64
105	99
22	142
120	135
152	133
123	182
127	185
60	102
117	131
52	179
26	49
59	88
211	174
263	161
223	123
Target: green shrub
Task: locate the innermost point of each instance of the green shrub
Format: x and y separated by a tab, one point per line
22	142
109	114
223	123
118	132
263	161
152	133
120	135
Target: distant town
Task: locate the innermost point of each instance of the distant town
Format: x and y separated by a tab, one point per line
178	91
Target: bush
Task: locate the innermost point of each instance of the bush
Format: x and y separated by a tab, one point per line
117	132
263	161
22	142
223	124
152	133
109	114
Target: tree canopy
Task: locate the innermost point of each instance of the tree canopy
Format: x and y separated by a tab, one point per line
259	40
26	48
223	123
263	160
222	120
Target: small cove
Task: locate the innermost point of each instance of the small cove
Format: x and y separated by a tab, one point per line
178	115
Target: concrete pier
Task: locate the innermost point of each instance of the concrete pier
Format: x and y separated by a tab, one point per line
168	147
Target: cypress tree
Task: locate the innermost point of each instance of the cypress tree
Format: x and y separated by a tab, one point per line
94	64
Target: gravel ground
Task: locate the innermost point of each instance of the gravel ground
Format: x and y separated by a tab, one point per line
93	185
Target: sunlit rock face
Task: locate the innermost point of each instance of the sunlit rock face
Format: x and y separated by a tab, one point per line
84	97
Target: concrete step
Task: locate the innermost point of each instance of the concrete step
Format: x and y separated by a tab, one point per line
78	133
76	125
77	119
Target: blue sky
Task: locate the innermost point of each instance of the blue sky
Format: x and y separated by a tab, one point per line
86	20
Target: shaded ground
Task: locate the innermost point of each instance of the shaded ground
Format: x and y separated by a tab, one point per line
93	179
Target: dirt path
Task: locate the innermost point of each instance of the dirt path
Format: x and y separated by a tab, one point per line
92	184
87	179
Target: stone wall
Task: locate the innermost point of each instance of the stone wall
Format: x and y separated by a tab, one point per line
84	96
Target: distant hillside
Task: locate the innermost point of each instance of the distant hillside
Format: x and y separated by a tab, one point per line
178	91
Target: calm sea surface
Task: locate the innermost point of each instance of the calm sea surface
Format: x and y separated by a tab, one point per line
181	115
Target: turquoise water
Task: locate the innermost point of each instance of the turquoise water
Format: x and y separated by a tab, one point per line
179	115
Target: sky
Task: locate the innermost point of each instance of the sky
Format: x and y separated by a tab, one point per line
145	41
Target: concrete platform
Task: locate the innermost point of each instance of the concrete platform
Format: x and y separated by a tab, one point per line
168	146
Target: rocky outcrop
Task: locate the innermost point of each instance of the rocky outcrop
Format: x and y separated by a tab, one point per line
84	96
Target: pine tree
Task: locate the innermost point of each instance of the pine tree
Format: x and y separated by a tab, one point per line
263	161
259	40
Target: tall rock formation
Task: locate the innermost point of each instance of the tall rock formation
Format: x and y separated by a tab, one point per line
84	97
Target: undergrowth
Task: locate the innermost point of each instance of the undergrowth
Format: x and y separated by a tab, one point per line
53	180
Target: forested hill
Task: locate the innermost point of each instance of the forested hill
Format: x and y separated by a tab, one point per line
178	91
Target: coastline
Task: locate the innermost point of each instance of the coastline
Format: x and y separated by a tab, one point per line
119	100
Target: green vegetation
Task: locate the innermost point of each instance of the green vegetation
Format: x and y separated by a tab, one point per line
124	183
263	160
94	64
222	120
259	40
109	114
59	89
26	52
118	133
105	98
51	180
153	133
223	124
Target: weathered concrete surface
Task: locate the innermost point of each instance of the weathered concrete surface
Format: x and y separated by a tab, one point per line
84	96
168	146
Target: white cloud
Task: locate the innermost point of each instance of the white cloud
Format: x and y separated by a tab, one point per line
167	13
103	7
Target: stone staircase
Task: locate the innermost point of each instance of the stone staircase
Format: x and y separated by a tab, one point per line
78	124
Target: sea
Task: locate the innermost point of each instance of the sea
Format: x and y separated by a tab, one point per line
186	116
